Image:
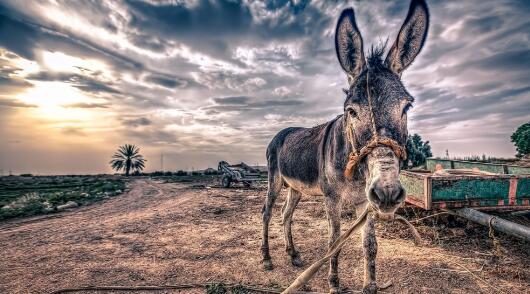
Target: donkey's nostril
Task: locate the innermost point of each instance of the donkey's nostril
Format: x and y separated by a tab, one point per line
373	196
399	194
386	197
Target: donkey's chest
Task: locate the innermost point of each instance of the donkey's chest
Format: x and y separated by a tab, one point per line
313	189
351	191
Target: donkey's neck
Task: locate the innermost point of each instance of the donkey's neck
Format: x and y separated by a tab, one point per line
342	145
347	142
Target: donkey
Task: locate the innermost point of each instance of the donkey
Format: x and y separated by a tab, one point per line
325	160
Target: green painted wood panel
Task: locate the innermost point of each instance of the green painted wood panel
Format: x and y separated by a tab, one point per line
431	163
492	168
469	188
412	185
518	170
488	167
523	188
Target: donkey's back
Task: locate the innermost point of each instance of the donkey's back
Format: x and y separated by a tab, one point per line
294	155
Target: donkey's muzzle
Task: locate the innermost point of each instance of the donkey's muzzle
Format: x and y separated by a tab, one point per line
386	198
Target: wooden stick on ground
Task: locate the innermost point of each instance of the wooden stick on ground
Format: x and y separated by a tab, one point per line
417	238
306	275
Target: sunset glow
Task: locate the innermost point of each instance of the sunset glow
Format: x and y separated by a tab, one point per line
203	81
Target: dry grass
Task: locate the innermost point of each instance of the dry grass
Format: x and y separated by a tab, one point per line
169	233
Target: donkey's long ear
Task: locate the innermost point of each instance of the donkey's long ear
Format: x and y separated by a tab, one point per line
410	38
349	44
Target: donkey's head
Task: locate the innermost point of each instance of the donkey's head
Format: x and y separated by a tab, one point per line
377	102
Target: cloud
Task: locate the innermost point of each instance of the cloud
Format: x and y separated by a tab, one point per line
509	60
250	104
234	100
223	77
15	103
166	81
87	105
81	82
152	136
13	85
25	38
136	122
73	131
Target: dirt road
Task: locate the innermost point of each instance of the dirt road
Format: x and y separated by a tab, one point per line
169	233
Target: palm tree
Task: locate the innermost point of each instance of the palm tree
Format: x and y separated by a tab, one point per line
128	157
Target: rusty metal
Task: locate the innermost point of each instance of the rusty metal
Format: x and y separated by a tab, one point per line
495	222
238	173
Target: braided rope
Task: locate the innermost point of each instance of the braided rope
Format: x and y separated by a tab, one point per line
356	156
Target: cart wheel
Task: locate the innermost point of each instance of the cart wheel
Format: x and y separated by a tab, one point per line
227	181
247	184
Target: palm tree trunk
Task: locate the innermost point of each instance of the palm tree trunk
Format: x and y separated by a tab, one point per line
127	167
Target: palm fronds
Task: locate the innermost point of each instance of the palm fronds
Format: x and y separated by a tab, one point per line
128	158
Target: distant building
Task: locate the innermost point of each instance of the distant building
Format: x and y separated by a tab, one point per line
210	171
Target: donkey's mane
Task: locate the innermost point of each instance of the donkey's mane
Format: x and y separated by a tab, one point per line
375	56
374	62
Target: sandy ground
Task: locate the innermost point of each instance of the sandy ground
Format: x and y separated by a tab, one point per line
170	233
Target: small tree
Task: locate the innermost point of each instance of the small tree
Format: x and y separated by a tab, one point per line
181	173
417	150
128	158
521	140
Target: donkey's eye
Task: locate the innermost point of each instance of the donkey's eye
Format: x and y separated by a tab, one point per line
406	108
351	111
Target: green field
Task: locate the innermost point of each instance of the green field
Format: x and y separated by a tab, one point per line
33	195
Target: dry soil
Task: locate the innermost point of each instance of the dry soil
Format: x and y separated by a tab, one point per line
170	233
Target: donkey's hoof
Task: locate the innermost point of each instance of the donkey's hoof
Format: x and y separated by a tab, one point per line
267	265
334	290
296	261
370	288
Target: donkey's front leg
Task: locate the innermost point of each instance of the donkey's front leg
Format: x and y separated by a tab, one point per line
333	207
370	253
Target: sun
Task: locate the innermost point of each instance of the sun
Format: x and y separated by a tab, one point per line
52	94
52	101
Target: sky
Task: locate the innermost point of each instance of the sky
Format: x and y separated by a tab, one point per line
195	82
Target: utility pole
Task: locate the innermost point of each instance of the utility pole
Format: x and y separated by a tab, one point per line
162	162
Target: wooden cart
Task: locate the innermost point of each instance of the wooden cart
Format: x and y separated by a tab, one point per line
490	187
238	173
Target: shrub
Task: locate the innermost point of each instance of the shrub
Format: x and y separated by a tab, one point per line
521	140
417	150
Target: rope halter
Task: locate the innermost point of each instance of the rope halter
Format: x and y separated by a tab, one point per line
357	155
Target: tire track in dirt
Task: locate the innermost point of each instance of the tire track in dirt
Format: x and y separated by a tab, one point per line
34	244
97	209
138	196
